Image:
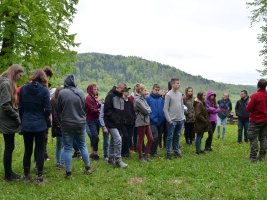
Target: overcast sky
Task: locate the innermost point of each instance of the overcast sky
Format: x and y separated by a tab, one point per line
211	38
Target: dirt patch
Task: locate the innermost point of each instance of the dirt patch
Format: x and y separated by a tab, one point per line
135	181
176	182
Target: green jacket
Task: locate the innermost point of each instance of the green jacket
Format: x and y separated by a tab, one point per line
190	114
9	116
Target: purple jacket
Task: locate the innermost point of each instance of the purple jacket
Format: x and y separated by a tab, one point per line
212	109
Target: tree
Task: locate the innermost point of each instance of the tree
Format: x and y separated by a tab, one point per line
259	14
34	33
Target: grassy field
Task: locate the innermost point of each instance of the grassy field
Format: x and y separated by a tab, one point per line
224	173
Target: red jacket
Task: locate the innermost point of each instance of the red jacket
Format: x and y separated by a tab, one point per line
257	107
91	105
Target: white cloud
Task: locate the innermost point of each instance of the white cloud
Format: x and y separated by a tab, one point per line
208	38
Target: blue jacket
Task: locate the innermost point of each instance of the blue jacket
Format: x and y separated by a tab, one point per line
156	103
34	107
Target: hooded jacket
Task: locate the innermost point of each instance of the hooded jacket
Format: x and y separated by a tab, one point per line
71	106
190	114
241	109
9	116
225	108
92	107
202	123
113	109
211	108
34	107
156	103
142	111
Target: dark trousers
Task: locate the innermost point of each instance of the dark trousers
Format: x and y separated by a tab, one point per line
9	147
142	131
94	134
242	124
189	132
163	135
126	140
39	150
135	138
156	131
210	136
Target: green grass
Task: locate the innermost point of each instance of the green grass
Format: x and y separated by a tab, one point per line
224	173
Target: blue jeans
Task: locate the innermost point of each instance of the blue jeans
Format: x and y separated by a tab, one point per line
105	144
242	124
93	133
59	150
174	133
198	142
68	137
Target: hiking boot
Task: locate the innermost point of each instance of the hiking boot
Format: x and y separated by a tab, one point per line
13	177
88	170
121	164
68	175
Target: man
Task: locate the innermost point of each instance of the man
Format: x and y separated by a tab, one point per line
71	106
243	116
257	130
113	118
157	118
174	113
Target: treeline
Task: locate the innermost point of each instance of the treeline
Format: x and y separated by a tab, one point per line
106	70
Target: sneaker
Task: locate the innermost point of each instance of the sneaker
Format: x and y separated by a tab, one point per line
261	158
202	152
148	159
111	161
106	159
121	164
59	166
169	157
13	177
142	160
68	175
27	178
39	179
88	170
46	157
253	160
178	155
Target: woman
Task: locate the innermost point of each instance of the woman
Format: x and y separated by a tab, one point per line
212	110
9	116
142	123
189	131
202	123
56	132
34	110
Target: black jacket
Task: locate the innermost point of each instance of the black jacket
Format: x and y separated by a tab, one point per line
128	113
113	109
240	108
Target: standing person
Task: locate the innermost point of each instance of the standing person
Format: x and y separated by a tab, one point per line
142	123
71	106
113	117
9	116
56	132
174	113
92	107
189	125
202	120
164	133
243	116
128	124
105	132
157	118
257	131
212	111
225	106
35	109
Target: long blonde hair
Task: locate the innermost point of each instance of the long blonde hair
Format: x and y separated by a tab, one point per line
11	73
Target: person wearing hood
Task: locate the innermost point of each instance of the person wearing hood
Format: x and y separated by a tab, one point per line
189	125
157	117
212	109
71	106
113	118
9	116
243	116
202	123
34	110
92	107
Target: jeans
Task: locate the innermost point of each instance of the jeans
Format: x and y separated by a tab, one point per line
9	147
93	133
242	124
156	131
105	144
68	137
59	150
198	142
174	133
219	122
210	136
163	134
189	133
115	143
39	151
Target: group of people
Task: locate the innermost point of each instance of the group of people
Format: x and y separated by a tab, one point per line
125	120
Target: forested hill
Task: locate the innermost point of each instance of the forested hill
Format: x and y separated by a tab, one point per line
106	70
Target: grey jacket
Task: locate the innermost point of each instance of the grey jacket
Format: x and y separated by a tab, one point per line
71	106
142	111
9	116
